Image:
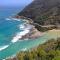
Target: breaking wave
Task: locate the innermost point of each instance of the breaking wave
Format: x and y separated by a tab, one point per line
26	29
19	35
24	49
3	47
13	19
25	26
7	19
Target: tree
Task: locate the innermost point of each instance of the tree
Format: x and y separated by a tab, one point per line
51	54
20	56
41	54
56	58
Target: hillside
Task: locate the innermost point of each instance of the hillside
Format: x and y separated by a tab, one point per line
44	12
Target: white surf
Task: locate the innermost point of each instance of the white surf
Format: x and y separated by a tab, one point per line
19	35
3	47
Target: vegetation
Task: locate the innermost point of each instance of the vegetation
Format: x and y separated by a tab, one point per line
47	51
43	29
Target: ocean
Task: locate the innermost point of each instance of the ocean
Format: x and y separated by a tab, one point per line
10	32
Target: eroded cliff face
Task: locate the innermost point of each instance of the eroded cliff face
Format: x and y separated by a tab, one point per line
43	11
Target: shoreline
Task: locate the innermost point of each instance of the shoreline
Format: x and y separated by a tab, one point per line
33	36
33	32
28	20
14	56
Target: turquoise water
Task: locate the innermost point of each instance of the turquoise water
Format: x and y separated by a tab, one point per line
20	45
9	29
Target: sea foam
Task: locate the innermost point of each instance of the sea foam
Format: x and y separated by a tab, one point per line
13	19
24	49
19	35
7	19
25	26
3	47
26	29
22	26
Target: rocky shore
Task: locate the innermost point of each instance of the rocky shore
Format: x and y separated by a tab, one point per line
33	32
29	20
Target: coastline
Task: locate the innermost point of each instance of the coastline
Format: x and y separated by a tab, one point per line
28	20
41	45
33	32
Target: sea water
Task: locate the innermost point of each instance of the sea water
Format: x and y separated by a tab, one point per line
9	28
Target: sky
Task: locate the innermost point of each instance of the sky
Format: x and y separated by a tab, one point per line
14	3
